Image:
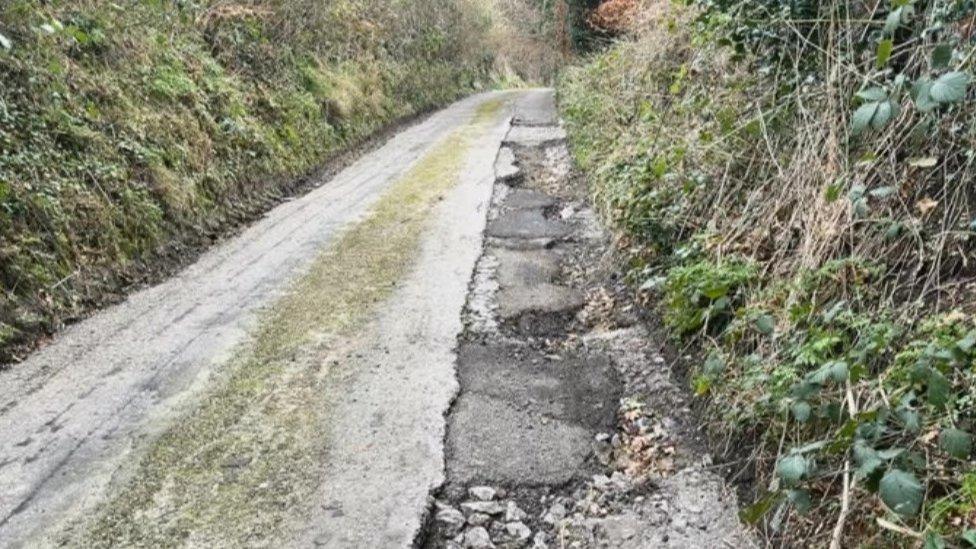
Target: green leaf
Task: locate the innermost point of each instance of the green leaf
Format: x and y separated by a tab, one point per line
890	453
870	465
934	541
911	420
939	389
923	95
969	536
893	21
901	492
801	500
863	117
765	324
812	447
941	56
867	459
801	411
791	469
967	343
755	512
883	53
714	364
956	443
839	371
887	111
895	230
950	87
874	94
832	193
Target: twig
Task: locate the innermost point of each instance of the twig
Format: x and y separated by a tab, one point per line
845	502
896	528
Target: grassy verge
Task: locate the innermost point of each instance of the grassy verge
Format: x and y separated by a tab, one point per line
799	203
128	134
237	470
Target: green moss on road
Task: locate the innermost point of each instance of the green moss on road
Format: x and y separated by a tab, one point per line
242	466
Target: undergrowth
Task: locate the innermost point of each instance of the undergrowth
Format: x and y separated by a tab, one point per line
131	133
793	183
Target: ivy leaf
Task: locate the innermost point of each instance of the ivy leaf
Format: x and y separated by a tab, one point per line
950	87
801	410
883	53
956	443
901	492
792	469
941	56
765	324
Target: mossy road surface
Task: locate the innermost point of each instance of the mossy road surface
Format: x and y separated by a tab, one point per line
289	389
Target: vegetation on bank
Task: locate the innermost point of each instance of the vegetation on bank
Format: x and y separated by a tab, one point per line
793	181
130	133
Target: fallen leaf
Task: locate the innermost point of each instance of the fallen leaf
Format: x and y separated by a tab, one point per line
926	205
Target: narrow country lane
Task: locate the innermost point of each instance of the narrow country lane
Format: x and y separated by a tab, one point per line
292	383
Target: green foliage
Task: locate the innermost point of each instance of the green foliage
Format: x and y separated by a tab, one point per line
705	294
127	133
844	188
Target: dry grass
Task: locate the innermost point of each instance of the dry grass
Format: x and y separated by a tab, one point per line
705	157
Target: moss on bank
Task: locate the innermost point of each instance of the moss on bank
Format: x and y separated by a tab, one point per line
239	470
129	134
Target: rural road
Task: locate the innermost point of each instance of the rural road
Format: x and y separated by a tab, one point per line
95	427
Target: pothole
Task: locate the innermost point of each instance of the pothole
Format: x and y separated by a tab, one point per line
557	439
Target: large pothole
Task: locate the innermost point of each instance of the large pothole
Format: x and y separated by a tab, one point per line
568	428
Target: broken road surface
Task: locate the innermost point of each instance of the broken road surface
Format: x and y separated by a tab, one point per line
318	380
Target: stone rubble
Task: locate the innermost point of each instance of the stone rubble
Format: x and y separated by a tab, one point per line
650	484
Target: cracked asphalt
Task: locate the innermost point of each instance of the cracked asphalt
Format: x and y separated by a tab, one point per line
448	386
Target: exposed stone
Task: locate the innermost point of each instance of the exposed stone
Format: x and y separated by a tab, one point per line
484	507
518	531
478	538
483	493
555	514
513	513
451	519
479	519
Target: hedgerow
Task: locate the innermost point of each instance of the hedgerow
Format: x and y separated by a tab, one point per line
130	132
793	181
